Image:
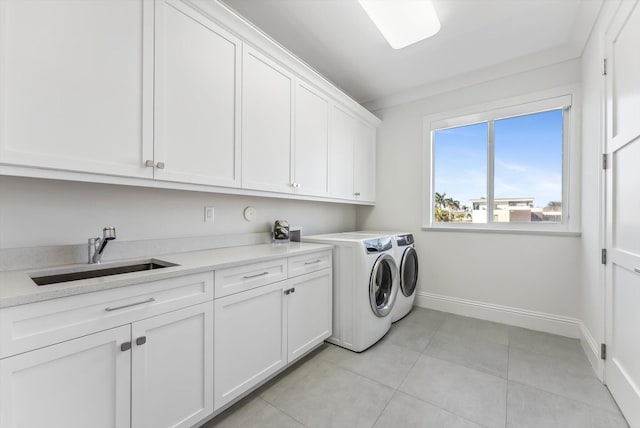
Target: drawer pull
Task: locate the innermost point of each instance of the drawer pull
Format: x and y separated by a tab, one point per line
141	340
125	346
256	275
149	300
636	270
313	262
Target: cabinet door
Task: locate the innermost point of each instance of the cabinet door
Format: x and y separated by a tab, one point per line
364	175
250	345
266	124
341	152
75	384
197	98
76	85
311	138
309	309
172	368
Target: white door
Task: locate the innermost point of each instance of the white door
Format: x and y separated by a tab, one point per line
311	139
172	368
80	383
309	309
266	124
197	122
250	340
76	85
364	170
341	152
622	367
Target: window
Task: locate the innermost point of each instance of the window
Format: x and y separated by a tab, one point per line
501	169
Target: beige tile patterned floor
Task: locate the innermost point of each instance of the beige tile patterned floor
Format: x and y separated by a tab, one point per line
436	370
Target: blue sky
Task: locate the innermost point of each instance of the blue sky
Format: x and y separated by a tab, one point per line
528	159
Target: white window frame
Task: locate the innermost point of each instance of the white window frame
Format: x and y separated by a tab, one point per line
566	98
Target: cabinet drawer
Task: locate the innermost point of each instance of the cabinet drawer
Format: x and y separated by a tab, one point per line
306	263
31	326
246	277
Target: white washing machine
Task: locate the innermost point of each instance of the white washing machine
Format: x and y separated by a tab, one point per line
365	287
407	262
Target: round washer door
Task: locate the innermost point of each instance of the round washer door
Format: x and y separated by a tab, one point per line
409	271
382	286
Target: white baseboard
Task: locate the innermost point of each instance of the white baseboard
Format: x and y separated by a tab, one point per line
540	321
592	348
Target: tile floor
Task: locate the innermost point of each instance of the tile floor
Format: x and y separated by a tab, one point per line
436	370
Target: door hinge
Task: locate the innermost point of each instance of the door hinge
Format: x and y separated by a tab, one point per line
604	66
604	256
603	351
604	161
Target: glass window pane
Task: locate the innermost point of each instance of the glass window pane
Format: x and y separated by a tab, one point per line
460	174
528	168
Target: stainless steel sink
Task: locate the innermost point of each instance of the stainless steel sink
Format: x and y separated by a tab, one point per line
96	271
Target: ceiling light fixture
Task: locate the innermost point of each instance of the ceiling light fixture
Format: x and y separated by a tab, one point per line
403	22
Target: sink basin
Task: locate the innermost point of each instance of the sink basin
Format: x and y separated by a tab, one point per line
96	271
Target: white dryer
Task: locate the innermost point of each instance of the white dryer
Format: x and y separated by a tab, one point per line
365	287
407	262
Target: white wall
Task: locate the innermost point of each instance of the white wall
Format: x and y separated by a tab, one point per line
35	212
521	272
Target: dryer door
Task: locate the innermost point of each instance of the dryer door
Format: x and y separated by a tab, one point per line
383	285
409	271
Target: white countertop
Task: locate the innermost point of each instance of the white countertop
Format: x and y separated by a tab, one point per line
17	288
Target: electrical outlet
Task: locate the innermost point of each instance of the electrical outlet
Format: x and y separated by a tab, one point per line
208	214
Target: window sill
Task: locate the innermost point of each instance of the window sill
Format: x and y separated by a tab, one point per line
502	230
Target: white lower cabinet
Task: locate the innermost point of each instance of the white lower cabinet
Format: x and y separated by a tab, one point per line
308	312
172	368
153	373
260	331
250	346
79	383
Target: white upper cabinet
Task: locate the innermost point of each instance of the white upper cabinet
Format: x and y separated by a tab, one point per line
341	153
352	157
266	124
197	104
311	139
76	85
147	92
364	169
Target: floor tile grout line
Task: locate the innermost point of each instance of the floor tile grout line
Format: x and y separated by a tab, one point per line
395	391
575	400
431	403
283	411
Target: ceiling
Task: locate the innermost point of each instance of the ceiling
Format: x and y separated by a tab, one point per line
479	40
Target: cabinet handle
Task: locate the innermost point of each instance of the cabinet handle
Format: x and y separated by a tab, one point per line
149	300
356	193
256	275
160	165
125	346
293	290
287	291
636	270
313	262
141	340
149	163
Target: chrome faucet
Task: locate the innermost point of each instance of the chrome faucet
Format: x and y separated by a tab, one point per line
97	245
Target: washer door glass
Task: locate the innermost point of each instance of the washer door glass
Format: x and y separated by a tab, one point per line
382	287
409	272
